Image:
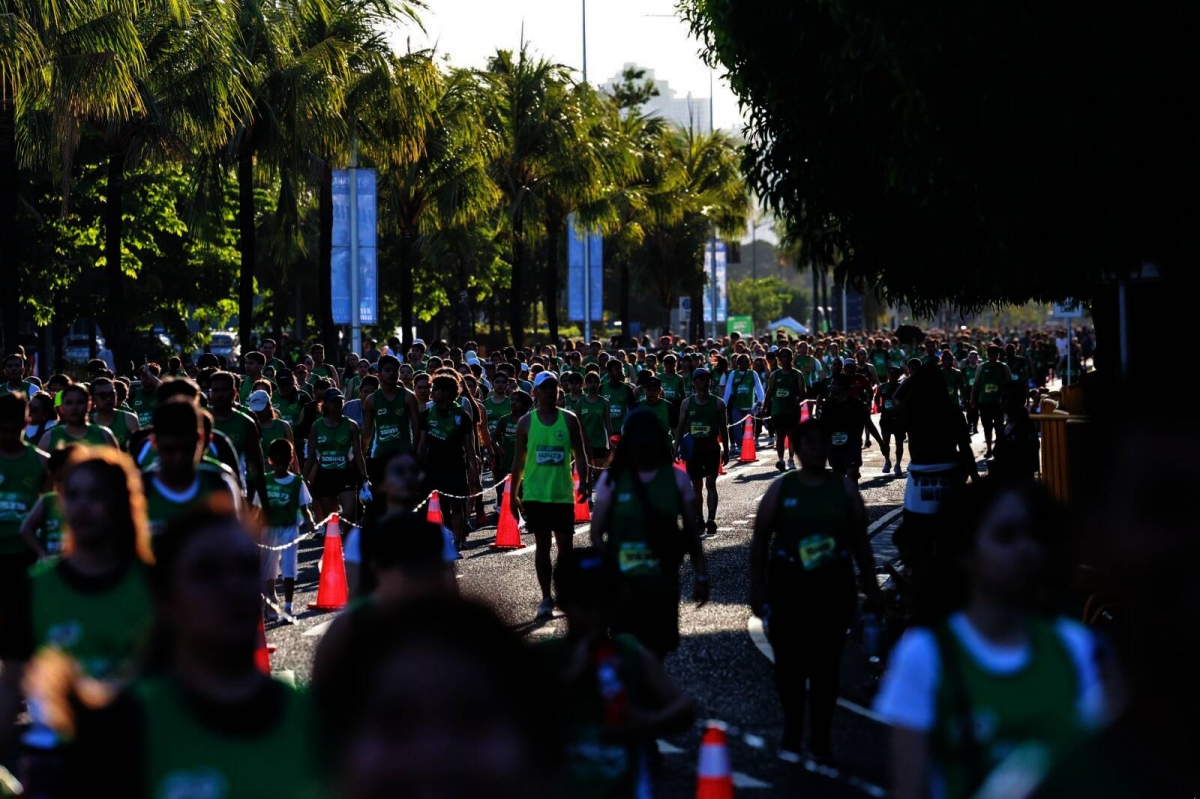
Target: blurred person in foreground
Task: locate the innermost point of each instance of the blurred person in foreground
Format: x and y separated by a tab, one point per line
204	720
987	696
427	701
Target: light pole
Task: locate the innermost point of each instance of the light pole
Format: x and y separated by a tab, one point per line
587	236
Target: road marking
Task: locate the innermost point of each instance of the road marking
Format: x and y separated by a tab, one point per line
741	780
874	527
318	630
668	748
759	637
740	522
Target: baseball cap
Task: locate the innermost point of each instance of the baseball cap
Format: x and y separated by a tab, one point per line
332	394
701	372
542	377
258	400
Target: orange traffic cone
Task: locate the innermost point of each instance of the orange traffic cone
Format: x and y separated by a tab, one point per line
804	413
582	512
262	653
507	534
332	590
434	514
749	453
720	466
681	466
714	780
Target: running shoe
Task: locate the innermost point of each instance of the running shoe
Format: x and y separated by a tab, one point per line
546	609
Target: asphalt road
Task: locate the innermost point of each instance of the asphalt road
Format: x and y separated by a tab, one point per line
722	662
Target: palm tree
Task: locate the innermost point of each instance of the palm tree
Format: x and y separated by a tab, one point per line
526	110
61	65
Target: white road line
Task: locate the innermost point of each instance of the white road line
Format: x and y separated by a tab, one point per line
668	748
318	630
755	628
745	781
740	522
882	520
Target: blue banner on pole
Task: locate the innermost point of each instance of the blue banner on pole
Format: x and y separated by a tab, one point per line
722	296
575	273
368	292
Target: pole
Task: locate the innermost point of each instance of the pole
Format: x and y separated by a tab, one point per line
754	249
711	130
845	325
1067	381
587	236
355	309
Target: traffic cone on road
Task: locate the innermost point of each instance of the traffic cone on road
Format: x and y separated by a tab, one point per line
262	652
332	590
805	415
434	514
749	453
508	536
714	780
582	512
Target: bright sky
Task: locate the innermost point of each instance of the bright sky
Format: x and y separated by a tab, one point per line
646	32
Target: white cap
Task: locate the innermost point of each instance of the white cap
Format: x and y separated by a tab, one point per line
258	400
542	377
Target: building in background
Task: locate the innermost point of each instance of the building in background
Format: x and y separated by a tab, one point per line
685	111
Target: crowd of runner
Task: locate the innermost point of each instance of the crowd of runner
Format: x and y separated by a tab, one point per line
149	522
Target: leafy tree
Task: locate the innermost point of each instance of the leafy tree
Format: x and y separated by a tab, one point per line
967	154
762	298
634	90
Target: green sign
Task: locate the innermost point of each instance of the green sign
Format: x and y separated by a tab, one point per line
741	324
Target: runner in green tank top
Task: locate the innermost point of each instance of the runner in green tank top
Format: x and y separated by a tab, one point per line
785	391
43	529
335	468
242	431
122	424
991	377
809	525
176	734
673	384
391	419
619	395
504	442
702	441
596	420
970	370
497	404
548	440
144	398
73	427
22	480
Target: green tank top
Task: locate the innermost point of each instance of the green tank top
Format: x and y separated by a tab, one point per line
662	412
291	408
494	411
879	359
742	396
597	766
969	373
1029	717
273	432
630	538
619	397
25	388
185	757
242	433
704	423
990	378
103	629
785	399
94	436
51	532
547	475
803	361
119	427
143	405
21	480
812	523
333	444
953	380
591	419
896	358
393	430
887	391
284	500
672	388
506	430
162	508
1019	368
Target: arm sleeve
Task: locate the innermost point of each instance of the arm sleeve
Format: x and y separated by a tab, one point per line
728	391
759	394
907	693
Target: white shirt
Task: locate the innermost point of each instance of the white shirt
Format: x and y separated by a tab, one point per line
908	693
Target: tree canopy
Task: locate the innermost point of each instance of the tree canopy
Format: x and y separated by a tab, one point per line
967	153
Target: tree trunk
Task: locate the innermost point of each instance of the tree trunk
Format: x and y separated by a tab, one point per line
698	326
406	289
623	298
246	245
816	283
10	303
825	294
117	322
553	237
324	262
516	305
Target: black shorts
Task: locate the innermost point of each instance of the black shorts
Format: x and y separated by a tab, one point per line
332	482
991	415
450	479
549	517
893	428
785	426
842	459
704	464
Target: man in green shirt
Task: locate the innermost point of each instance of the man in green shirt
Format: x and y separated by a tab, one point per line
547	440
702	441
620	396
989	380
391	419
673	387
273	364
242	431
805	364
122	424
22	480
255	363
785	391
322	369
14	377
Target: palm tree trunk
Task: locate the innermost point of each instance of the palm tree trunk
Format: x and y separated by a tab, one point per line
697	333
10	304
113	225
623	299
553	237
516	305
825	292
324	261
246	245
406	289
816	300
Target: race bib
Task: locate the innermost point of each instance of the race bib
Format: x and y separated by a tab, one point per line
700	430
636	556
616	410
840	439
887	404
990	388
550	455
781	392
816	551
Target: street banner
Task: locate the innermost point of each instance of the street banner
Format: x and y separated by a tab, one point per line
368	283
575	273
743	325
722	295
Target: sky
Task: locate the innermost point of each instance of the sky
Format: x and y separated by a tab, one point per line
646	32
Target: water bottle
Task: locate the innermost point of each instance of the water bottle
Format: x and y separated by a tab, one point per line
872	637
